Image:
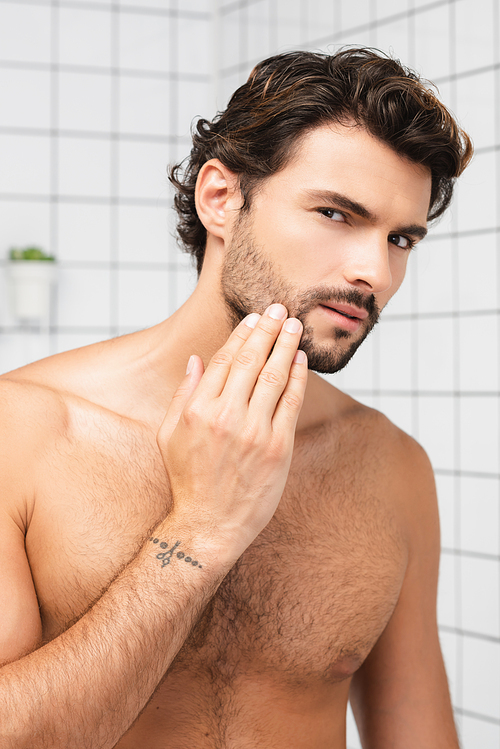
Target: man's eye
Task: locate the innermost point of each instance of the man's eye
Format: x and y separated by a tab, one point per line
332	213
401	241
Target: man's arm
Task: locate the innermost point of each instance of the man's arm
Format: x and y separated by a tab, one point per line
400	695
227	442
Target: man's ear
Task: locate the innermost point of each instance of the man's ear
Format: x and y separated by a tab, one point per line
217	197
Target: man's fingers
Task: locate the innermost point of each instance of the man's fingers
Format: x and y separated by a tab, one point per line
274	375
214	380
220	365
251	358
180	398
291	400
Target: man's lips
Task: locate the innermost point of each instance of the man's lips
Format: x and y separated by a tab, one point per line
347	309
345	320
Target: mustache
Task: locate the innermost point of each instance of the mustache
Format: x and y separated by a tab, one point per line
325	295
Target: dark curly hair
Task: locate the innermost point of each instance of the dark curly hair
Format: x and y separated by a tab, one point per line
289	94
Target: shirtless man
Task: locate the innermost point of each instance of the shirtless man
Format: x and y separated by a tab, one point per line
224	576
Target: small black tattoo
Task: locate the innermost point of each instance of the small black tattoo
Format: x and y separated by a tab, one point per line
166	555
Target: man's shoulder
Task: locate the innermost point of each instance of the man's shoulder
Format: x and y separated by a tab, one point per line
369	436
382	461
30	416
25	401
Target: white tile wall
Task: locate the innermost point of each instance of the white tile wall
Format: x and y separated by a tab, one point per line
25	33
144	41
142	234
194	45
393	37
479	448
25	97
481	688
479	599
435	284
84	294
477	732
432	40
144	105
289	30
476	200
259	25
477	261
395	371
84	36
354	15
435	352
150	4
474	96
75	91
19	230
321	15
84	167
84	233
228	54
195	101
474	34
143	172
480	516
478	358
98	99
143	298
25	164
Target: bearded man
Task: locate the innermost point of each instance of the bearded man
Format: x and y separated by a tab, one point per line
220	559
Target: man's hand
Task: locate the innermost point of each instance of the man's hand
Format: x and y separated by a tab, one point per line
227	439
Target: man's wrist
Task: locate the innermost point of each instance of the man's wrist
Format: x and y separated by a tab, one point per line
177	541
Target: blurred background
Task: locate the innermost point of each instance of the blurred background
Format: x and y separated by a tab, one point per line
97	98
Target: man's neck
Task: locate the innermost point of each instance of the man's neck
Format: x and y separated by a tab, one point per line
157	357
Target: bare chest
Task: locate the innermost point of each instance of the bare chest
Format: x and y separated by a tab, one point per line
307	600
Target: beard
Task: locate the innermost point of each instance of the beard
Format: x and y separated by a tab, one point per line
250	283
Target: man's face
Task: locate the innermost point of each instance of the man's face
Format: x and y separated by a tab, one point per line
329	237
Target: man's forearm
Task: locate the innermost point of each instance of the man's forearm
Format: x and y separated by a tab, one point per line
86	687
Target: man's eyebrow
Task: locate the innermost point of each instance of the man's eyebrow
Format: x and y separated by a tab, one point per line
415	230
337	200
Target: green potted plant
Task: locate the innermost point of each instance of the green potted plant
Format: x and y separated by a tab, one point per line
31	275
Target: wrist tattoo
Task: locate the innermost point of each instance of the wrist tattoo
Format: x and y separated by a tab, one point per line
166	555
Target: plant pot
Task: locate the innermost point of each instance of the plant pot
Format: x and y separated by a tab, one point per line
30	282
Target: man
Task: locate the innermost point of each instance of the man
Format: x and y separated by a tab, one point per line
227	574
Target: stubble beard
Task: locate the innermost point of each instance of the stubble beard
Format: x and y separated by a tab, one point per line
250	283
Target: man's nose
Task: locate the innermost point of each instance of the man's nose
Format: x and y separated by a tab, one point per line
368	265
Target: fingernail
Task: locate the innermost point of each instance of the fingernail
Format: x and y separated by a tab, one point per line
190	364
276	311
299	357
292	325
252	320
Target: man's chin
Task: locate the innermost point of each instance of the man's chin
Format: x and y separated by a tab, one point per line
326	368
328	359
